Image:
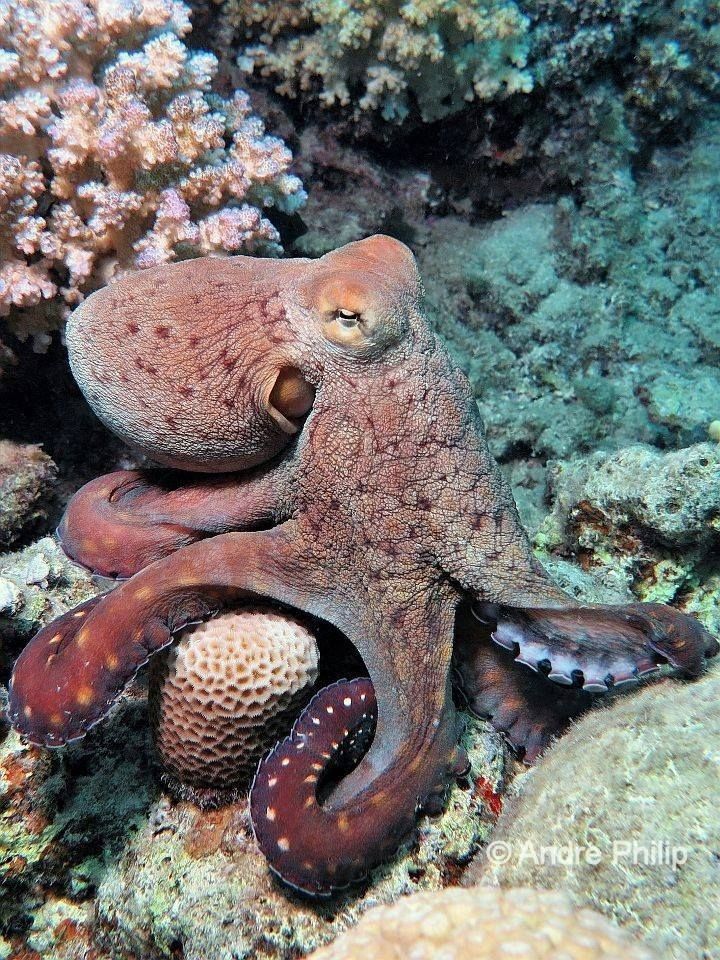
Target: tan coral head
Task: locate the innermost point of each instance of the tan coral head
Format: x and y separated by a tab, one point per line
486	923
245	337
225	693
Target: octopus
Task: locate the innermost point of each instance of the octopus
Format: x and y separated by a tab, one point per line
319	450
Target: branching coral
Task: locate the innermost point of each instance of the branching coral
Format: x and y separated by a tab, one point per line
677	64
114	153
387	56
425	59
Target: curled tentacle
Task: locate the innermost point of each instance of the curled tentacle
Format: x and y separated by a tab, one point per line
126	520
318	846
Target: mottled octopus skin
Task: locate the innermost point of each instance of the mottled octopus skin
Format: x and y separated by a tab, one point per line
364	495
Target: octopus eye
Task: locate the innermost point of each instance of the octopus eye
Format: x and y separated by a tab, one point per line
347	318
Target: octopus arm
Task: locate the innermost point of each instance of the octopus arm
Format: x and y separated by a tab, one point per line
319	844
70	674
126	520
547	665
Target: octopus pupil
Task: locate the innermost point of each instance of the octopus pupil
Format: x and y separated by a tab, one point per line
347	318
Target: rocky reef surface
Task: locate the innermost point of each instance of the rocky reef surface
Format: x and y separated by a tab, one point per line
637	841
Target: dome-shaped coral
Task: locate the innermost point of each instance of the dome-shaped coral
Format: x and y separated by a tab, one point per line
485	923
228	690
631	793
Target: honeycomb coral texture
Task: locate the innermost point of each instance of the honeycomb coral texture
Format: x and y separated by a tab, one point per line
385	56
227	691
485	923
115	154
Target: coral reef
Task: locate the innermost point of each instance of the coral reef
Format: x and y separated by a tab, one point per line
589	327
640	246
485	923
196	882
427	59
429	55
115	153
665	56
639	842
675	69
226	692
644	521
26	487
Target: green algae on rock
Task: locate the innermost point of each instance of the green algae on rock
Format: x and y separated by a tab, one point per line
36	584
64	817
563	347
645	519
26	482
627	802
196	881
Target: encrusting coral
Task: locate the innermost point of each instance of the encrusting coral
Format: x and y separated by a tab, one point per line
226	692
643	521
195	881
485	923
115	153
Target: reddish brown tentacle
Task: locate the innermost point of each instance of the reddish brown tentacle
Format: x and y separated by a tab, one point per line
126	520
318	847
545	665
42	698
72	671
601	647
529	709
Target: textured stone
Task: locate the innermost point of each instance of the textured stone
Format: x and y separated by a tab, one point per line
26	480
621	813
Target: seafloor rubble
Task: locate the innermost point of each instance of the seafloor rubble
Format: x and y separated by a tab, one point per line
569	241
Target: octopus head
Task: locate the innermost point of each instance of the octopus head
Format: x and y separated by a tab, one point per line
213	364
